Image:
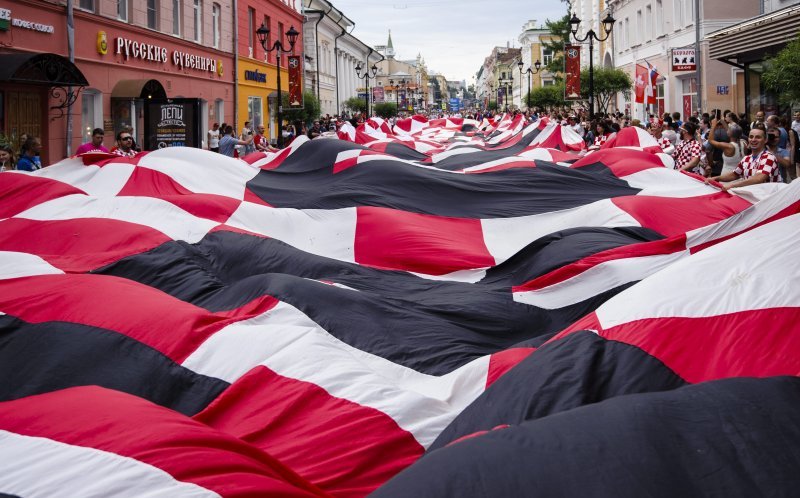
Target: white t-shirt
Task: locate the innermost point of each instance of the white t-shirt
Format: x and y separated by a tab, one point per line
213	139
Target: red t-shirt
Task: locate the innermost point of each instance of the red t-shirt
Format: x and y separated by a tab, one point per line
89	147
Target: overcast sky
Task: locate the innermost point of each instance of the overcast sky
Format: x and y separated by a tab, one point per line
453	36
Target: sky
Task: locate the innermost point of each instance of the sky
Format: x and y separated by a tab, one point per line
453	36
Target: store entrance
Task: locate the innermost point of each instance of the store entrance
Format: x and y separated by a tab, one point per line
23	116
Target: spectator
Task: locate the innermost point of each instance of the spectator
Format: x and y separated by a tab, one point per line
95	144
782	155
775	122
228	142
732	149
125	147
260	141
759	119
676	118
29	155
315	130
657	130
796	122
213	138
688	152
759	166
247	137
6	158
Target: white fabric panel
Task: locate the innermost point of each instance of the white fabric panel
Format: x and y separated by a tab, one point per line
202	171
22	264
291	344
148	211
596	280
504	237
663	182
94	180
752	271
468	276
36	467
499	162
330	233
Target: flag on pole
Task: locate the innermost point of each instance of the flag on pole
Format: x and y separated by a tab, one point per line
650	89
639	84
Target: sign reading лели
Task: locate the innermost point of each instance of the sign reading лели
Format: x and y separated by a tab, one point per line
149	52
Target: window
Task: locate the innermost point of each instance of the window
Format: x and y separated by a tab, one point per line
677	22
198	20
122	10
280	38
268	24
152	14
648	23
659	28
547	56
251	29
91	113
215	24
688	12
176	17
639	28
86	5
255	113
627	33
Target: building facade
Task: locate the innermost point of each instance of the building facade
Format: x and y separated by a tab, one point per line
404	82
257	70
532	41
128	52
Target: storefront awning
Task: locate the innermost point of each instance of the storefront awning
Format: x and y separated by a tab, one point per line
138	89
40	69
755	35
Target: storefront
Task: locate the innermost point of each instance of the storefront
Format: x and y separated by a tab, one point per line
258	92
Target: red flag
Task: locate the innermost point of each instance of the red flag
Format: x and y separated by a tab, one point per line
295	81
651	90
639	83
572	90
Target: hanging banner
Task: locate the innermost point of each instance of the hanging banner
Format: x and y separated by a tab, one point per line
639	84
683	59
572	69
377	94
295	82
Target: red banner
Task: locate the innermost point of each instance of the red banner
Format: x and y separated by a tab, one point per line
639	84
295	81
572	63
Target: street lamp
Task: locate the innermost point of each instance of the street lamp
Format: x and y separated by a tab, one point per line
369	73
538	66
507	85
262	33
608	25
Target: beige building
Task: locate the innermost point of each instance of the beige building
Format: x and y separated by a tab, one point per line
532	41
405	82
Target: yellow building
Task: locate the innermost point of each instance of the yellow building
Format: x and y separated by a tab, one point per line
257	88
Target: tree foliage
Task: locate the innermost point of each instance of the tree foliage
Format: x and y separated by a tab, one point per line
385	109
559	30
547	97
781	74
355	104
308	113
607	83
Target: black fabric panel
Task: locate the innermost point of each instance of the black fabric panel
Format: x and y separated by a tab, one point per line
727	438
45	357
430	326
386	183
577	370
401	151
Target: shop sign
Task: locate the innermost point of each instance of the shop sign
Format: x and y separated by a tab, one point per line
154	53
172	123
5	19
256	76
683	59
722	90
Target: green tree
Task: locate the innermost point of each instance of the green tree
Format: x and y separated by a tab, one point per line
355	104
548	97
560	31
308	113
385	109
607	83
492	105
780	74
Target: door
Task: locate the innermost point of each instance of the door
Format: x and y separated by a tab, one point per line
24	111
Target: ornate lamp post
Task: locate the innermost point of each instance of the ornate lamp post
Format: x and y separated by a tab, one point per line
608	25
538	66
491	91
506	85
262	33
369	73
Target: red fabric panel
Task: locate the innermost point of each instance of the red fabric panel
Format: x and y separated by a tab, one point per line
502	362
22	191
434	245
145	182
673	215
788	211
78	245
621	162
125	425
340	446
169	325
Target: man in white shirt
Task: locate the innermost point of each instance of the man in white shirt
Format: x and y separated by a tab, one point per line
213	138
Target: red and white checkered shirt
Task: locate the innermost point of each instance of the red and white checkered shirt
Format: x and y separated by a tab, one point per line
685	152
765	163
601	139
664	143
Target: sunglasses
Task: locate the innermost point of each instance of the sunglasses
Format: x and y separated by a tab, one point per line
126	138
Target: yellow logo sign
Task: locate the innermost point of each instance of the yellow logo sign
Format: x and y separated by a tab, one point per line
219	68
102	43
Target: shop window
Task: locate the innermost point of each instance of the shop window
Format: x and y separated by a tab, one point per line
215	24
86	5
198	20
689	97
91	113
219	110
122	10
255	111
152	14
176	17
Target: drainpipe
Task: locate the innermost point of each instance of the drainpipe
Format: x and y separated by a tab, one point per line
235	66
335	49
697	59
71	51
